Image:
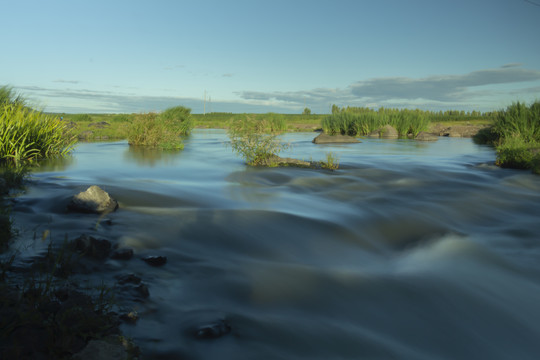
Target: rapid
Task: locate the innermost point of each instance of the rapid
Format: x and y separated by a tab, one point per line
410	250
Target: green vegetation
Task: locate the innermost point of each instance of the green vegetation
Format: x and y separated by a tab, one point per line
27	135
255	140
180	117
516	135
331	163
162	131
363	121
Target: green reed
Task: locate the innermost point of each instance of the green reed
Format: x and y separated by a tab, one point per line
151	130
361	121
179	117
27	135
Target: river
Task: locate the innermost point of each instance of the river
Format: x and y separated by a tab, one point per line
411	250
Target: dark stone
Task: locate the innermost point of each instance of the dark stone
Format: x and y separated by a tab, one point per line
122	254
93	200
213	330
324	138
155	260
142	291
425	136
129	279
92	247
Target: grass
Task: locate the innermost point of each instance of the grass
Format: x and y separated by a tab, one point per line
154	131
255	140
515	133
361	122
27	135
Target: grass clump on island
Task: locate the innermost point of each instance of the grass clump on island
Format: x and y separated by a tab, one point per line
515	133
162	130
363	121
256	140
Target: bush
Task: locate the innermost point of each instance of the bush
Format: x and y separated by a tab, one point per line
180	115
152	130
27	135
516	153
251	139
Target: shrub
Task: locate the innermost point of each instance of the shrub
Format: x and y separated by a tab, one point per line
251	139
151	130
180	115
516	153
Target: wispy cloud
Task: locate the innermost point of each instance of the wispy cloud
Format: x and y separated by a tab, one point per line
62	81
434	91
480	90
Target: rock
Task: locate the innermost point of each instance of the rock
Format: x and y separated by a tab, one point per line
92	247
129	279
93	200
155	260
425	136
213	330
122	254
102	350
388	132
323	138
130	317
99	125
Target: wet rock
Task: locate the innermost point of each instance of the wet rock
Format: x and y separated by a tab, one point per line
334	139
425	136
93	200
132	285
213	330
155	260
92	247
122	254
102	350
129	279
130	317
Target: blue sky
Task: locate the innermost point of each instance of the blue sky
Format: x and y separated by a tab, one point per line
262	56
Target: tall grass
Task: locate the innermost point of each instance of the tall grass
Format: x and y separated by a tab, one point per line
362	121
179	117
27	135
516	135
154	131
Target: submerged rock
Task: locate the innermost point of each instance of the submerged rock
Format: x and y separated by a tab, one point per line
92	247
122	254
155	260
93	200
324	138
425	136
213	330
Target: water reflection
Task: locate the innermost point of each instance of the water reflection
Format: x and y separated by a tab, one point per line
151	157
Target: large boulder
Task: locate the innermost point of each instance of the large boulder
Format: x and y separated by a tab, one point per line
324	138
425	136
93	200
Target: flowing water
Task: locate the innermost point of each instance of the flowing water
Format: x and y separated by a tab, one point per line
410	250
